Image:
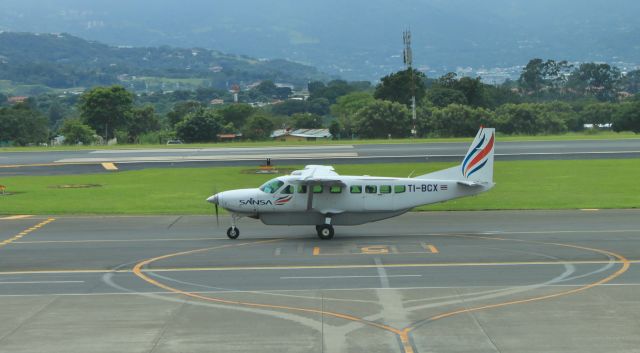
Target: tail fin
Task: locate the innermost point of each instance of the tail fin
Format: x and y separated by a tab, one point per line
477	165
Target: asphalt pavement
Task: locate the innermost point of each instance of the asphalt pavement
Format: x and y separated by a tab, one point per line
505	281
92	161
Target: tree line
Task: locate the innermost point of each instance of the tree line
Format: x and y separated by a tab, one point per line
548	98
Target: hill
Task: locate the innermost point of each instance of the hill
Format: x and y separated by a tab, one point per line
356	39
64	61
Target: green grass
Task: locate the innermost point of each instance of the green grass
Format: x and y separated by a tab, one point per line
603	135
520	185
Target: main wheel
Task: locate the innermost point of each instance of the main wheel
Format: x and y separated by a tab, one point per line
325	231
233	232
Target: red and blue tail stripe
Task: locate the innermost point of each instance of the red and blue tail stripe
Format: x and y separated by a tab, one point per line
478	153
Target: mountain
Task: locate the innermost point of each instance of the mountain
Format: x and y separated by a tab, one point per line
65	61
357	39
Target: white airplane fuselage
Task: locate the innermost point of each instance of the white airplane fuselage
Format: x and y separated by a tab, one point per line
360	199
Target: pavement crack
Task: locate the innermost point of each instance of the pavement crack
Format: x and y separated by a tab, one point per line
174	222
176	312
479	325
28	319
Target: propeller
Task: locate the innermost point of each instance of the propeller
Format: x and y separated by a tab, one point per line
214	200
217	217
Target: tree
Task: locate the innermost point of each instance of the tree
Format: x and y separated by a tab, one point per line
442	97
106	108
22	125
346	108
598	113
400	86
335	128
290	107
201	126
142	121
306	121
318	106
236	113
599	80
532	119
627	118
539	74
381	119
182	109
458	120
258	127
74	132
630	83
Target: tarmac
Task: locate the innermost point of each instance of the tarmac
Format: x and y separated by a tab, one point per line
500	281
104	161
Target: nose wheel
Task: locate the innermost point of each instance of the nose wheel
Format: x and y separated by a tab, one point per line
233	232
325	231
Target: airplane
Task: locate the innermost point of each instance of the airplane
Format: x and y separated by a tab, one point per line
317	195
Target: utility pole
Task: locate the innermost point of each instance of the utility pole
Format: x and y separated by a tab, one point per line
408	62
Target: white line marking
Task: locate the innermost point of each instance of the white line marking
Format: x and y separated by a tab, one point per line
339	277
233	149
382	273
306	290
41	282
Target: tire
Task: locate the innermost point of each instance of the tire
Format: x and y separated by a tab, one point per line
325	231
233	233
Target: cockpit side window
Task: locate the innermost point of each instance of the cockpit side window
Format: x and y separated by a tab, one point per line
287	190
271	186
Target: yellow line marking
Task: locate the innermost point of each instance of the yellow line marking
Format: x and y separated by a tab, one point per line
22	216
626	263
137	270
402	334
27	231
316	251
589	209
109	166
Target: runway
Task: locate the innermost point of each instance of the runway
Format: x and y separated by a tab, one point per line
75	162
505	281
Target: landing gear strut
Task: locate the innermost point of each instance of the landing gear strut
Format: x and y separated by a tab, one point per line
233	232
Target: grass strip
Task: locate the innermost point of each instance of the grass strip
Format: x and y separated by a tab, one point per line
573	184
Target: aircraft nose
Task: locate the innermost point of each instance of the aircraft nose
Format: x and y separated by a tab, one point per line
213	199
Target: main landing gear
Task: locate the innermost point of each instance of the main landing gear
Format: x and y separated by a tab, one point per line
325	231
233	232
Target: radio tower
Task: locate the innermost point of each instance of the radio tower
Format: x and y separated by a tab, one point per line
408	62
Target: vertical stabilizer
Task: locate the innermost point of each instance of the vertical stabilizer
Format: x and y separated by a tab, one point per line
477	165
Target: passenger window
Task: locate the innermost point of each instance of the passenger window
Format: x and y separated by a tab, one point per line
399	189
335	189
302	189
356	189
371	189
385	189
317	189
288	190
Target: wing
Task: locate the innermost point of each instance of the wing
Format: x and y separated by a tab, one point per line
317	175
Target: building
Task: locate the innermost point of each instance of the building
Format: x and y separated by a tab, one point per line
17	99
288	135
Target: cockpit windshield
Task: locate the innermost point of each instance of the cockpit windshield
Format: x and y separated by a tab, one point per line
271	186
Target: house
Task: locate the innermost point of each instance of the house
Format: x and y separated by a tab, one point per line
17	99
229	137
216	101
300	134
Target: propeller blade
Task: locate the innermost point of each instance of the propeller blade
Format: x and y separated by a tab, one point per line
217	217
